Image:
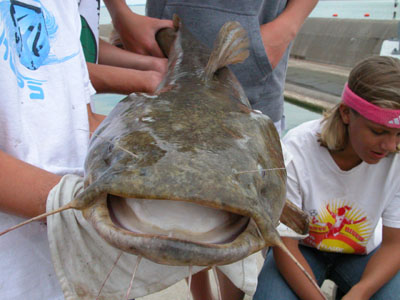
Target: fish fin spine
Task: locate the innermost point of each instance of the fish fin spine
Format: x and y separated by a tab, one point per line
230	47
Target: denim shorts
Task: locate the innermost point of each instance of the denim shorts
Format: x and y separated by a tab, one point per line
343	269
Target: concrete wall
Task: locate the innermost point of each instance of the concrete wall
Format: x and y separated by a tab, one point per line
342	42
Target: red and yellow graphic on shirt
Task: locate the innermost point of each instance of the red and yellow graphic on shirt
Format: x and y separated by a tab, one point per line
339	228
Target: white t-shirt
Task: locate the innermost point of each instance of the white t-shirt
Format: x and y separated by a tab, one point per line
346	206
43	120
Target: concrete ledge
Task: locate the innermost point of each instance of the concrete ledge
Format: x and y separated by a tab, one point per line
315	86
342	42
310	99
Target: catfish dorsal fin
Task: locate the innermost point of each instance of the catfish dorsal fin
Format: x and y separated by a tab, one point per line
166	36
230	47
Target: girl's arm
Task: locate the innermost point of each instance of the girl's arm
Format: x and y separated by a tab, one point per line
382	266
293	275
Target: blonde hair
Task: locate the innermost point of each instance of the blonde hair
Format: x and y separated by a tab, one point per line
375	79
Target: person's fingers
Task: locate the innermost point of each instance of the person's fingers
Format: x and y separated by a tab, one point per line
166	23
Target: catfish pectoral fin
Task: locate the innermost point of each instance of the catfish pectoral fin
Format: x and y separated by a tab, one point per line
295	218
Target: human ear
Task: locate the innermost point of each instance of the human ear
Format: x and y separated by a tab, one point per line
344	113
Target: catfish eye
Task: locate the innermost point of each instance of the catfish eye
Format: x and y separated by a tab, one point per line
107	156
261	171
110	147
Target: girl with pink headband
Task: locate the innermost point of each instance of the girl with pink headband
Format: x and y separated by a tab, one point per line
344	172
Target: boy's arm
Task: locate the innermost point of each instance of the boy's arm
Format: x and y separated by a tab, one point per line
382	267
278	34
137	32
123	72
24	187
293	275
110	79
115	56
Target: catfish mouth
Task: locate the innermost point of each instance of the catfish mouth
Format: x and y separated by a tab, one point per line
186	221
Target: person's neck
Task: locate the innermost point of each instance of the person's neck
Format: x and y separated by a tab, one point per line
346	159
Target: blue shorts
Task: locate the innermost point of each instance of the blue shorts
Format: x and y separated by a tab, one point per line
343	269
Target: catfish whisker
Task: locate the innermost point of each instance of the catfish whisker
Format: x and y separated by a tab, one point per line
189	281
217	282
111	142
258	170
283	247
108	275
258	231
133	276
39	217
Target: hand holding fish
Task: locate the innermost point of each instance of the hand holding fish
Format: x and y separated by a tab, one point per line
136	32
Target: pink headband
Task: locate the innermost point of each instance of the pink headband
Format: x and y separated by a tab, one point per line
383	116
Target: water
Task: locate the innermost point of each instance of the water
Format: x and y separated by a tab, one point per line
353	9
358	9
104	103
294	115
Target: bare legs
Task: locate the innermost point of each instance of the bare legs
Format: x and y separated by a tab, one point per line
201	287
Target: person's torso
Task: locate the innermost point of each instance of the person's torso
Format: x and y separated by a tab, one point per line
345	206
43	121
43	114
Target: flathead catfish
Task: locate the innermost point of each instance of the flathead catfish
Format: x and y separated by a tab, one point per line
191	175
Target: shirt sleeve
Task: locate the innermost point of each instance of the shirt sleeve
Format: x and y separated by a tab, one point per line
391	214
287	156
89	89
293	191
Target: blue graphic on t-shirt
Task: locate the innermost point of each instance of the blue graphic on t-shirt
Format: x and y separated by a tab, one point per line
31	39
27	33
